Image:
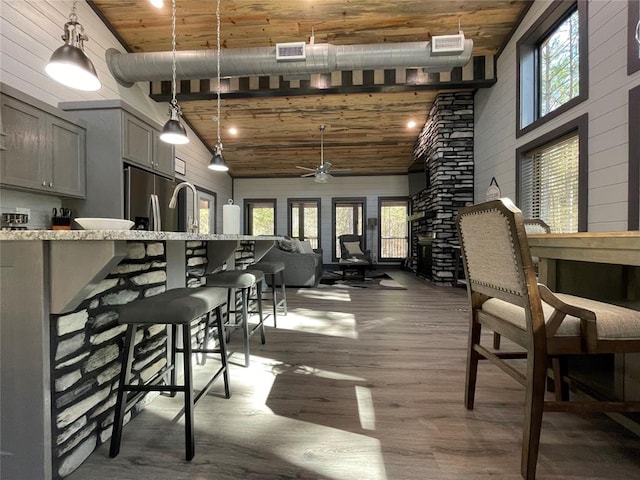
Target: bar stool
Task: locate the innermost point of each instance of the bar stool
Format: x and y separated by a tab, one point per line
242	280
270	270
180	306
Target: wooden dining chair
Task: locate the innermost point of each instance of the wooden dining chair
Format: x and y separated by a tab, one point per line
531	226
505	298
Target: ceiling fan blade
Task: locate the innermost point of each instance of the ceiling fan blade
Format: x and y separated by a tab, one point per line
308	175
306	168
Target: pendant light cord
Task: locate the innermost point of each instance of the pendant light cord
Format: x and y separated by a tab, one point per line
218	67
174	102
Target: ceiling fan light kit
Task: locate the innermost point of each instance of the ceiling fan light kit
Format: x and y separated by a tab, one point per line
321	172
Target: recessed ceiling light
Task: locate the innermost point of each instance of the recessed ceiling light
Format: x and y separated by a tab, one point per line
157	3
233	131
411	124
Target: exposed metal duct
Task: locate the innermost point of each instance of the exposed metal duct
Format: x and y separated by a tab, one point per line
128	68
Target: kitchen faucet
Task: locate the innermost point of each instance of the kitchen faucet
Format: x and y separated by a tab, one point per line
192	222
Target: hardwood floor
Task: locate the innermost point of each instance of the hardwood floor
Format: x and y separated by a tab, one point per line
363	384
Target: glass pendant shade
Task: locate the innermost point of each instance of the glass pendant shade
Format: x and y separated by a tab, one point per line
217	162
173	131
69	65
322	177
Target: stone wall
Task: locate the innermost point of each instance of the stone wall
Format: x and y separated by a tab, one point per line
446	146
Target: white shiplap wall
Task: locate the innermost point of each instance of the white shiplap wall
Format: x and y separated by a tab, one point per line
609	84
338	187
29	32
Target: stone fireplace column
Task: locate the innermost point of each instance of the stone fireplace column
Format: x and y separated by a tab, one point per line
446	147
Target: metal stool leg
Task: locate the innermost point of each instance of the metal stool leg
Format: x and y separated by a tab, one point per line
260	313
223	351
189	435
245	325
121	401
283	289
274	300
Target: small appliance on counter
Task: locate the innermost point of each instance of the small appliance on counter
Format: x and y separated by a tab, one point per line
61	219
14	221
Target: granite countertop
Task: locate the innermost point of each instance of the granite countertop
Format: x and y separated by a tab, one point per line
141	235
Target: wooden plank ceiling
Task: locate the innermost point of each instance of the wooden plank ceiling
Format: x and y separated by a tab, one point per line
366	130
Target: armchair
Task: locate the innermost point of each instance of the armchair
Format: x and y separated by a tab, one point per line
351	247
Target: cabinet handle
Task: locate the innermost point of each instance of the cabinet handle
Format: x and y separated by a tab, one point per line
44	184
51	184
3	134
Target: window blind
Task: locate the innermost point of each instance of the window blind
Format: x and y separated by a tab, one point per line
549	184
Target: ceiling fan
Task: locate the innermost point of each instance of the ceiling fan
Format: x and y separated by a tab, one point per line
321	172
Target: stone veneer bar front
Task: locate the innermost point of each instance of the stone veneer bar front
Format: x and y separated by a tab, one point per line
73	354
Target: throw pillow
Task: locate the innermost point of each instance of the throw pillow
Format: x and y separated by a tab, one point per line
305	247
287	245
353	248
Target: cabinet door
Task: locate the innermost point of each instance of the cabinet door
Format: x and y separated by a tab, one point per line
163	155
137	143
69	162
22	159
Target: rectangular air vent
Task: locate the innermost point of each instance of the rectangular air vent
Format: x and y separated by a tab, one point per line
290	51
447	44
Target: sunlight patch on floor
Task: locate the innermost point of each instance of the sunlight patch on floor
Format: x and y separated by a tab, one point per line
319	294
366	411
331	453
336	324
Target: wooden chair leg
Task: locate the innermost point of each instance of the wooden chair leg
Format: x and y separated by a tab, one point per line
533	409
121	400
472	363
496	341
560	387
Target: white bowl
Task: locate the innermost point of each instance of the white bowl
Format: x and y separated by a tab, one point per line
104	223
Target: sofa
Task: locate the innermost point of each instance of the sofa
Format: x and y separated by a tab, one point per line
300	269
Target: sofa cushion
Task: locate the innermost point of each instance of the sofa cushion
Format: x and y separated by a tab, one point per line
305	247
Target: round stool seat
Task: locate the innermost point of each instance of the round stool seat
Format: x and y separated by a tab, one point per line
179	306
268	267
235	279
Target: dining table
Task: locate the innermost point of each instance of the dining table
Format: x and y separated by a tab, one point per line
604	266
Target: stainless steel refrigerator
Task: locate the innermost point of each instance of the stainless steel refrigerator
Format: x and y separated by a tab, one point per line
139	186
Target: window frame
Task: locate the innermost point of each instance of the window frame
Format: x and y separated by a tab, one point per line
381	200
527	68
633	48
214	197
633	198
248	206
290	202
580	125
334	203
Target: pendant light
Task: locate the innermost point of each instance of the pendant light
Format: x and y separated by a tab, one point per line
173	131
217	162
69	65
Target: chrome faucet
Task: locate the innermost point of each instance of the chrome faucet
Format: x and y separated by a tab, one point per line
192	222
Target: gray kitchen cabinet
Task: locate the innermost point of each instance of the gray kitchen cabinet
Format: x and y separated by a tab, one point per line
117	135
141	145
40	150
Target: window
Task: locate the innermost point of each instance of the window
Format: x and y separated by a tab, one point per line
206	212
552	65
393	236
260	216
348	217
633	47
552	177
304	220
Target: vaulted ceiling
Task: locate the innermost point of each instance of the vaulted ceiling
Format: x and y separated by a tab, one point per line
277	119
